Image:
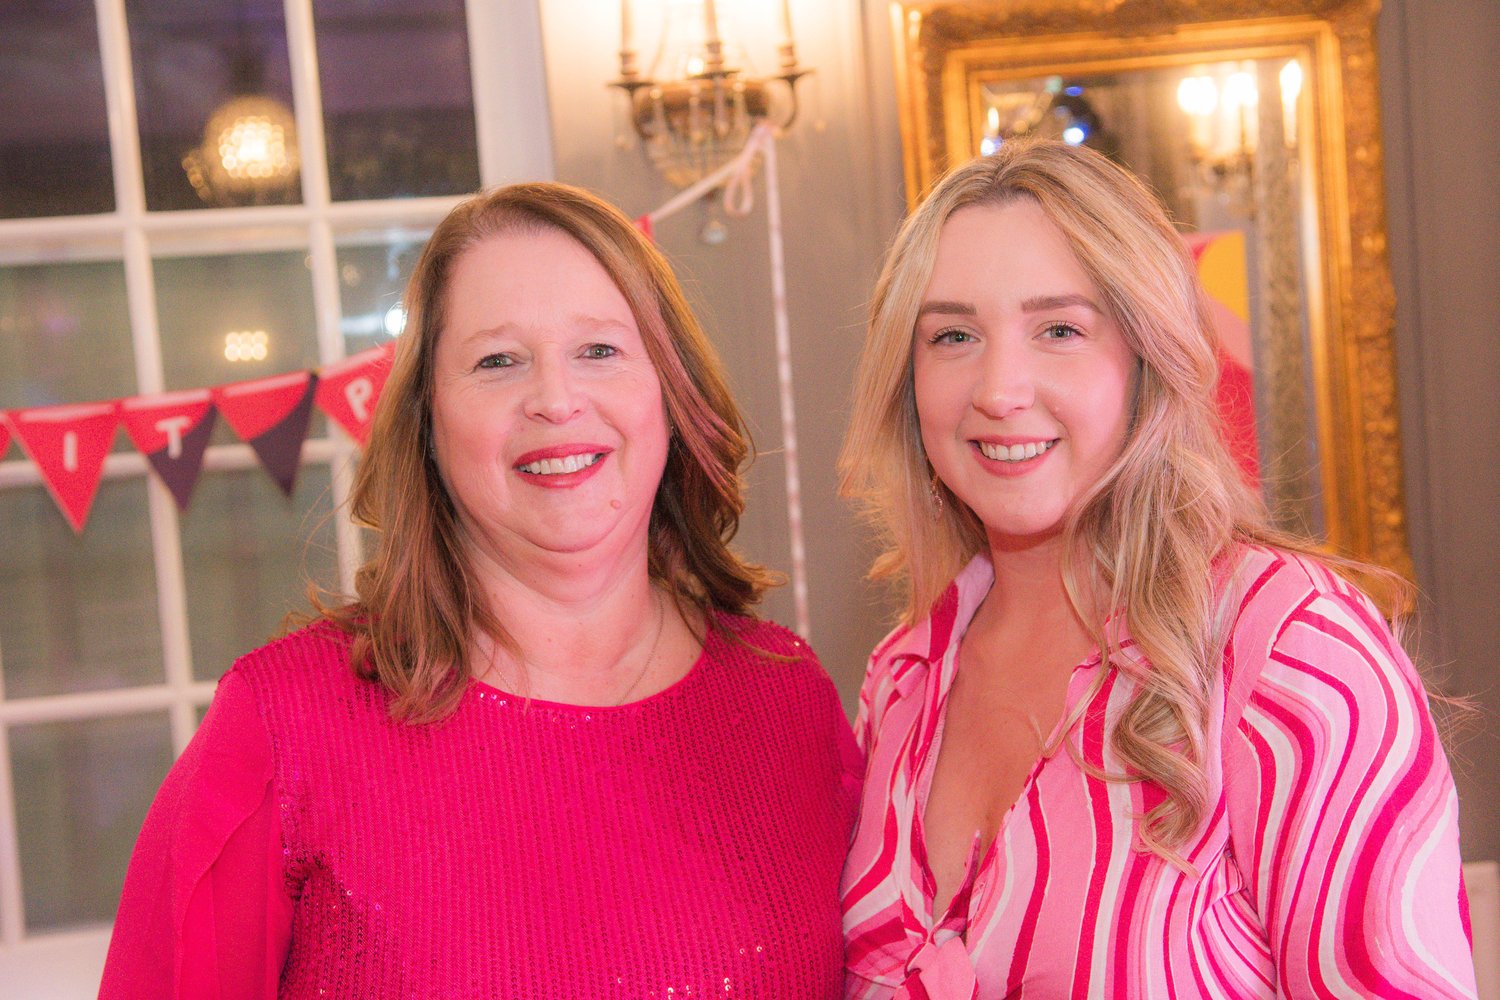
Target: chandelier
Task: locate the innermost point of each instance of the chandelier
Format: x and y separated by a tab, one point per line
248	155
694	110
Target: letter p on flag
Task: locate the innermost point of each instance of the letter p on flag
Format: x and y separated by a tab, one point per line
348	390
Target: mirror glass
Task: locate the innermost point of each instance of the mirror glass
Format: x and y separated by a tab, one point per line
1225	144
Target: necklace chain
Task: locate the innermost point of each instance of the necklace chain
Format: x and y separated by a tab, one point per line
661	615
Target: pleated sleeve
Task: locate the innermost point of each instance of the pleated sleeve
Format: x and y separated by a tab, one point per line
205	910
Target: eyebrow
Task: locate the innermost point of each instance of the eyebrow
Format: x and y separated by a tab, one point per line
948	308
1037	303
1042	303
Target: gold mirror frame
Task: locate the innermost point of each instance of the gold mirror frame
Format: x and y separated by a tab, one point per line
943	49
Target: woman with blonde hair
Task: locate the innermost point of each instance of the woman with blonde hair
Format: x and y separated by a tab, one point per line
1129	740
546	752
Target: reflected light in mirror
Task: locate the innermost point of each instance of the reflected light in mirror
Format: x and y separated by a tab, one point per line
1291	90
1239	90
1198	95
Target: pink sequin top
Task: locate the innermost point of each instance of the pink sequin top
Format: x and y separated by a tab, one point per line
686	845
1328	863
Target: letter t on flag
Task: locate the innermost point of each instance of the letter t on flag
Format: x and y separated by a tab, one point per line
172	431
69	444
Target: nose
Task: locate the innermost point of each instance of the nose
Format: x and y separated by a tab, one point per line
552	392
1006	384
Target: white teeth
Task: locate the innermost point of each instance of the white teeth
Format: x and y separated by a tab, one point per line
1015	452
560	466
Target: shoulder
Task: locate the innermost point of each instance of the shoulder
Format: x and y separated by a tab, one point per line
1298	626
1266	589
753	642
771	659
316	655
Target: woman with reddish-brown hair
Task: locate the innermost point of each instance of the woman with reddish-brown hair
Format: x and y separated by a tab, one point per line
545	752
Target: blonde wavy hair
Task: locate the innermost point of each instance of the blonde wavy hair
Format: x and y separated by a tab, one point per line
1149	532
417	605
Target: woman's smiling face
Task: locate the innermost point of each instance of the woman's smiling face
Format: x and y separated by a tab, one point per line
1024	382
548	423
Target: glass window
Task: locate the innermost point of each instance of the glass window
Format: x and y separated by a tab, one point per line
233	317
248	554
64	335
398	104
80	611
371	280
82	791
54	133
213	90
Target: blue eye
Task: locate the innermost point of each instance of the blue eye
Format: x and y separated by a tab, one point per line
952	335
496	361
1060	331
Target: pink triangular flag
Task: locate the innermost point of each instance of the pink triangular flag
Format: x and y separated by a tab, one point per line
4	435
348	389
172	431
69	444
271	416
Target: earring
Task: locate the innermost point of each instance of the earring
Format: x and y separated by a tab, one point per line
935	491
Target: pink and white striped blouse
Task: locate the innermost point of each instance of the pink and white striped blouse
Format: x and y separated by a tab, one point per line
1329	859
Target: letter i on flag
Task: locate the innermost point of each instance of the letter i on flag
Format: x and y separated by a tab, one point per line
172	431
271	416
69	444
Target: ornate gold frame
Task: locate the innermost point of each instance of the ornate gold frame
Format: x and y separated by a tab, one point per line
943	47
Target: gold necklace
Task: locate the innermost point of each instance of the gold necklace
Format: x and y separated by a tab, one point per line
504	683
661	617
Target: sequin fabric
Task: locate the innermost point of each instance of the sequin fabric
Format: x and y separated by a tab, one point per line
684	846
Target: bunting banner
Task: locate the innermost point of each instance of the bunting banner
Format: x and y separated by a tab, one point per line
172	431
271	416
69	445
348	389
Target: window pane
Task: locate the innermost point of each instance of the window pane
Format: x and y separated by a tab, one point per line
398	105
54	136
82	791
64	336
248	553
214	97
79	610
372	279
235	317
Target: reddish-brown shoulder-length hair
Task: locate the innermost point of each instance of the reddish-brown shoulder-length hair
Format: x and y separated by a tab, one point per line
417	605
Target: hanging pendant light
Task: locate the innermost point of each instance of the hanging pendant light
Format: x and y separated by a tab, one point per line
248	155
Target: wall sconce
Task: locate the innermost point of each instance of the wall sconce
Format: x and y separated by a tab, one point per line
1222	127
693	111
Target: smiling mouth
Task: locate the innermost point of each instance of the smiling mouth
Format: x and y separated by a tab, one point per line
560	466
1015	452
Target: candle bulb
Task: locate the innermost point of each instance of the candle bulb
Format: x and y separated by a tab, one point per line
788	47
627	42
710	22
713	47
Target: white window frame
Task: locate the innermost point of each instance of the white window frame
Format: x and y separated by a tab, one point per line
512	128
